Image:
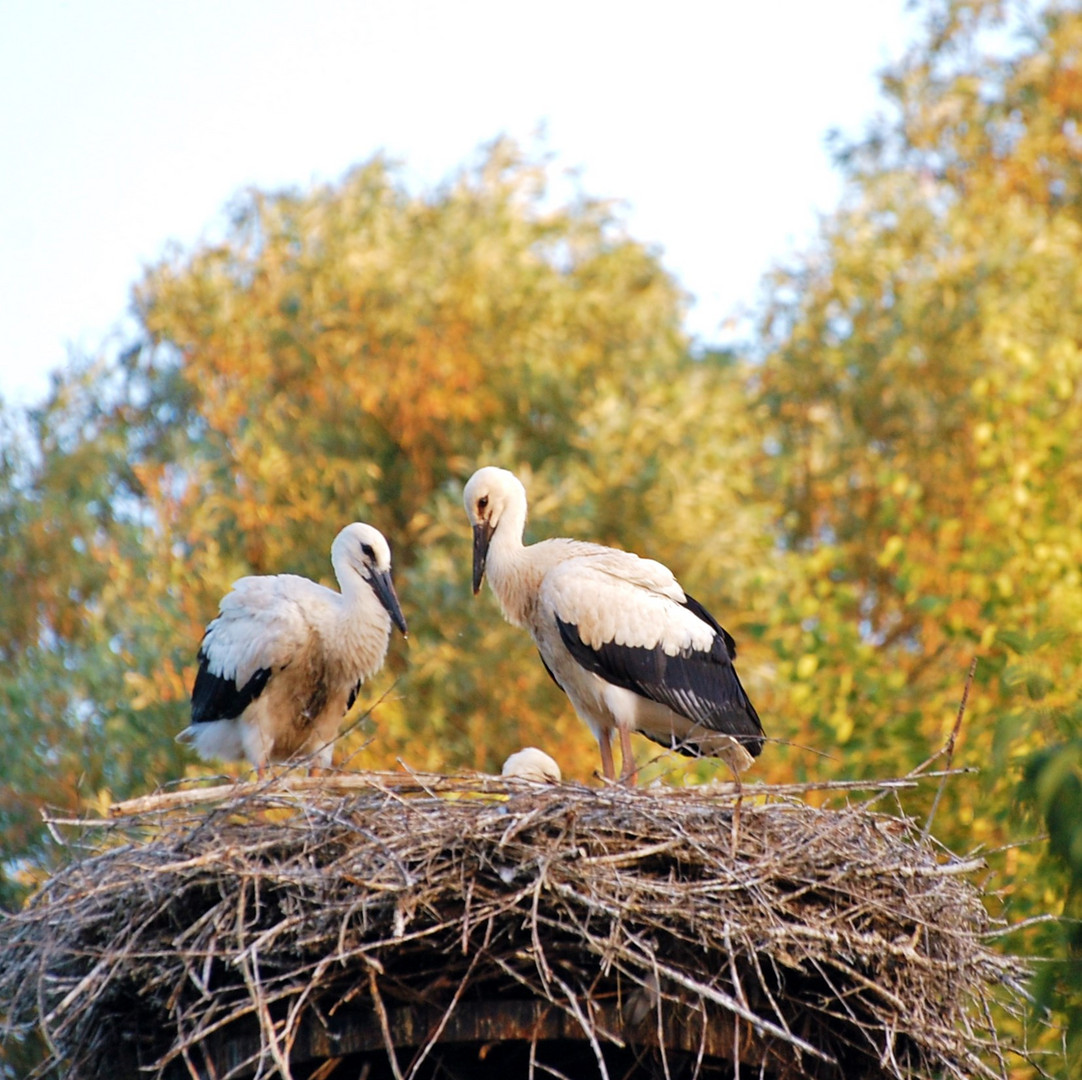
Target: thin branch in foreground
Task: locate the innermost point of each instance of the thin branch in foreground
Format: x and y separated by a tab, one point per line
949	749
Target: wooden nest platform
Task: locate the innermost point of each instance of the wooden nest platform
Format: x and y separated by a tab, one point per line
397	925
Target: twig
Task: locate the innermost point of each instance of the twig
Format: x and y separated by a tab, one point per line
384	1024
434	1038
949	749
587	1027
719	997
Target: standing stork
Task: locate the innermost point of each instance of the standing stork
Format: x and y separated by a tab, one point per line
616	632
283	661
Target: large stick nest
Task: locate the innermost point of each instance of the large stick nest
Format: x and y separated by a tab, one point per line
392	922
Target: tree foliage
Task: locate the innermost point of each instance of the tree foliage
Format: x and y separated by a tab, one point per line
887	485
351	352
923	377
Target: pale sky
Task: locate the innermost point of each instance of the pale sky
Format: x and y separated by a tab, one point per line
126	125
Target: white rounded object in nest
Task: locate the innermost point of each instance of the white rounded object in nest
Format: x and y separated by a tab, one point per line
532	764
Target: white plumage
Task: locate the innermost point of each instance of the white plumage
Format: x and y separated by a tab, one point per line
283	661
618	634
531	764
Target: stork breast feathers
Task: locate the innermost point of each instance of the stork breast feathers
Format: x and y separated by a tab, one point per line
625	600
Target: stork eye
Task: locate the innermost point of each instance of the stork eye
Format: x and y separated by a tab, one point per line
366	550
482	503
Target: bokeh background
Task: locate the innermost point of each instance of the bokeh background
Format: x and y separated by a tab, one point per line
855	436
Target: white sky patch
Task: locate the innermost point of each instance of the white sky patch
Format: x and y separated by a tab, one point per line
127	126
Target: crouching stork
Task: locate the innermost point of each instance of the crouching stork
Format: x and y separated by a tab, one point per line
616	632
283	661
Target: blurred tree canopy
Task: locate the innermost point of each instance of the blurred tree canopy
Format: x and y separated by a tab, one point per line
885	485
352	352
923	379
922	374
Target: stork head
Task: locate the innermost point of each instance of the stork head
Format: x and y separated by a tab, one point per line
492	495
531	764
363	550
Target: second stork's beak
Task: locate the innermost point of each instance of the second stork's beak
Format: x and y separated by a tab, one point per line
482	536
384	589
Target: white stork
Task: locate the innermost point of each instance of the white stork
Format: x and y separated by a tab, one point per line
616	632
531	764
283	661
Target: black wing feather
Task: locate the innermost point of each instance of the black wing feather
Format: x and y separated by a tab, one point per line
549	670
217	697
703	686
700	612
353	694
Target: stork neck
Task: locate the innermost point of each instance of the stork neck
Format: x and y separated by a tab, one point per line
506	548
350	583
508	535
515	570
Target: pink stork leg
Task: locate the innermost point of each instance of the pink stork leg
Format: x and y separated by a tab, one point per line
604	742
627	755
